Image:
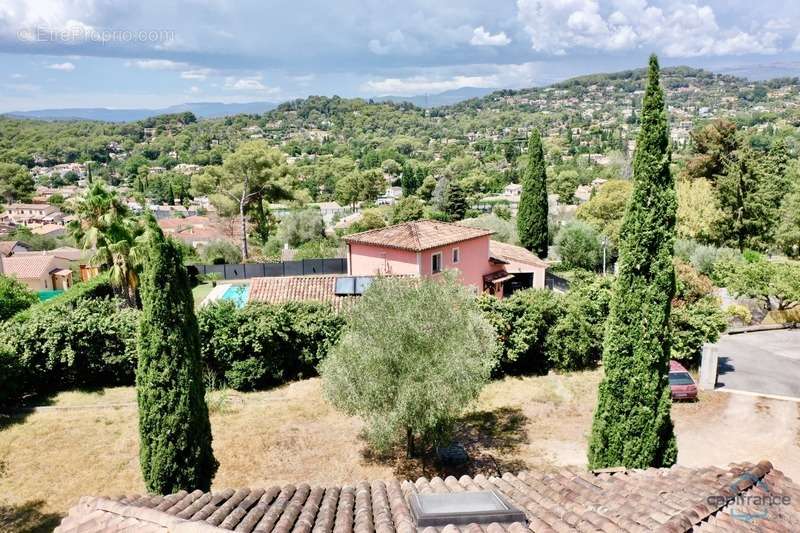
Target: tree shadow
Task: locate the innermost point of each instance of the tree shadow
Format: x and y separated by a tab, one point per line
27	518
490	438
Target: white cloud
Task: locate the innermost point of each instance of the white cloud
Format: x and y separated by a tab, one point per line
17	76
251	84
196	74
66	67
484	76
157	64
682	28
481	37
194	89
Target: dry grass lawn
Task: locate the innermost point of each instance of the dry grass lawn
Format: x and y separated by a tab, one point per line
51	457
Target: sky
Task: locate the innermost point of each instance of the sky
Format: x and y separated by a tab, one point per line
155	53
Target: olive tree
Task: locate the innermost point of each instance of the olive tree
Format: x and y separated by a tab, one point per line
414	354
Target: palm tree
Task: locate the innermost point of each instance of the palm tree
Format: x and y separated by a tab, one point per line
107	225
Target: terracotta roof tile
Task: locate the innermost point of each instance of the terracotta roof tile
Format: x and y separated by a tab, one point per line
514	254
317	288
25	266
417	236
664	500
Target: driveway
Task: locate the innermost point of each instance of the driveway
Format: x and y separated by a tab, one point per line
764	362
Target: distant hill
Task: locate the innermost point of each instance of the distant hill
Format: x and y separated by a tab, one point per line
200	110
440	99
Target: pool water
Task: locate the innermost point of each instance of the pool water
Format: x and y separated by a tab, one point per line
237	294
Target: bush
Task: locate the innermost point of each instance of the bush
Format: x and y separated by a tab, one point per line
737	312
690	285
692	325
14	378
504	229
576	340
221	252
522	323
90	342
263	345
298	227
579	246
14	297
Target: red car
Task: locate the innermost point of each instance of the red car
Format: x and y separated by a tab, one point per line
681	383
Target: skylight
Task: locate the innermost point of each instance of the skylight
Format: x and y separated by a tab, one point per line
459	508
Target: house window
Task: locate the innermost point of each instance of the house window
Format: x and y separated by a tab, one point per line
456	255
436	262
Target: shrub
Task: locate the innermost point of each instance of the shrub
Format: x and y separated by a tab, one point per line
690	285
693	325
264	345
575	342
86	343
739	312
521	323
504	229
221	252
703	259
579	246
14	297
14	378
298	227
404	371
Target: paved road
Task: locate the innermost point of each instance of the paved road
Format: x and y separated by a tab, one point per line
766	362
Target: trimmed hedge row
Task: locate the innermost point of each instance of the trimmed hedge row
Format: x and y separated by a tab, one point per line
87	338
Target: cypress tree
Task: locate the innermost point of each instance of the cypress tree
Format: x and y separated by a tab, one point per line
632	425
532	214
174	430
455	201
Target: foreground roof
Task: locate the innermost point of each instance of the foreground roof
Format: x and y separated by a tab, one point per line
677	499
417	236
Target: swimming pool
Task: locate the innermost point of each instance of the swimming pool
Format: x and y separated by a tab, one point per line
237	294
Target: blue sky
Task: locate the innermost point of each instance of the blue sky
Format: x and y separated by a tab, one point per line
145	53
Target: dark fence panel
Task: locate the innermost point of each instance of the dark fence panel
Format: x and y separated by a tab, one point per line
555	283
303	267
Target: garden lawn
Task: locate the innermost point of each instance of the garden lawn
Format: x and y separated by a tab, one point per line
87	443
200	292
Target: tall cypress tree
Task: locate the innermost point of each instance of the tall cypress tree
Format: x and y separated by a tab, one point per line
174	430
632	425
455	201
532	214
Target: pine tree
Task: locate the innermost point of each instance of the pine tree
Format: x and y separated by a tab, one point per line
532	214
408	179
170	195
632	425
455	201
174	430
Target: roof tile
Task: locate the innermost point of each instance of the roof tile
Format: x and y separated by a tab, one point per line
417	236
675	499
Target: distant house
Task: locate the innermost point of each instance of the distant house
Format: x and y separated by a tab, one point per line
513	190
9	248
39	272
77	259
32	214
49	230
194	230
427	248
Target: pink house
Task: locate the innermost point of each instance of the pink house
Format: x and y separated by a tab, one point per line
427	248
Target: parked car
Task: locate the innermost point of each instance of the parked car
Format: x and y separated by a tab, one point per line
681	383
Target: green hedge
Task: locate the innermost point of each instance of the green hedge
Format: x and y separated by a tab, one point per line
87	339
263	345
